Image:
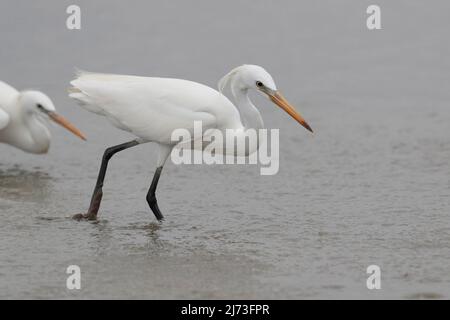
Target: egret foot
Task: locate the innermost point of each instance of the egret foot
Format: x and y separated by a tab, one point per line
93	207
86	216
151	196
151	199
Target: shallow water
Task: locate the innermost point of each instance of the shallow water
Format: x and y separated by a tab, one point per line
371	186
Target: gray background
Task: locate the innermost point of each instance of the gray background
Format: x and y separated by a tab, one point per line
370	187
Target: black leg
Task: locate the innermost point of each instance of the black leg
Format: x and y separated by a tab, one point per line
151	196
98	193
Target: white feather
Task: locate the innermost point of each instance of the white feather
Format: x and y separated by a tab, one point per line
152	108
4	119
7	96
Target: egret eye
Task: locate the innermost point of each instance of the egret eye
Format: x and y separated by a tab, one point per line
41	108
259	84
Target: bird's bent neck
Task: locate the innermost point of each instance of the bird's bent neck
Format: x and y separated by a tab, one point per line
251	118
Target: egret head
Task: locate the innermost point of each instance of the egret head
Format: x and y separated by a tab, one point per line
37	103
255	77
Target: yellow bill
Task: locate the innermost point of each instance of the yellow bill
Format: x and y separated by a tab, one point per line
279	100
66	124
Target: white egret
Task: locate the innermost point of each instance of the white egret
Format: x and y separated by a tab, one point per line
152	108
23	116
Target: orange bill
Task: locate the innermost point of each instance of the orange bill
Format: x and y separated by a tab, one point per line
66	124
279	100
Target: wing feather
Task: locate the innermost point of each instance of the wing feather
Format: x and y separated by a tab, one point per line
150	108
4	119
7	96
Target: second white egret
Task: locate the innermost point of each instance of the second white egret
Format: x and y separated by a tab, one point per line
23	116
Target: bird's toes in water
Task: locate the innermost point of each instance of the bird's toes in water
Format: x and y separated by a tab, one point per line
155	209
86	216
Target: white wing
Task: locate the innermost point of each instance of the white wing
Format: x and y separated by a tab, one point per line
151	108
4	119
7	96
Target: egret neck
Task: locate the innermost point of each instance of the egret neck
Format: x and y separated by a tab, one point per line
249	113
250	117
